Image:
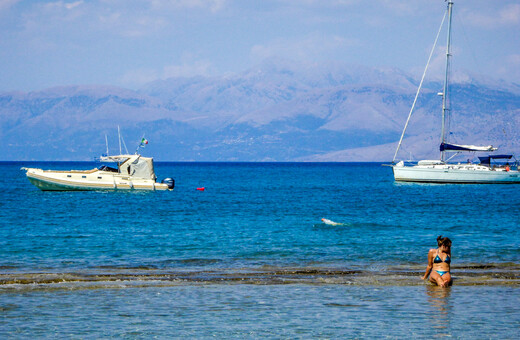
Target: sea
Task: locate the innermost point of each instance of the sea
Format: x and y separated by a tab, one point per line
249	257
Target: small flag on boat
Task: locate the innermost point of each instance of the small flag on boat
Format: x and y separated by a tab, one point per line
144	141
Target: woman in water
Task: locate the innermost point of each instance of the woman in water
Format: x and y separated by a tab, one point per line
439	261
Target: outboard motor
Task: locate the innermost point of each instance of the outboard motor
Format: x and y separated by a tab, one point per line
170	182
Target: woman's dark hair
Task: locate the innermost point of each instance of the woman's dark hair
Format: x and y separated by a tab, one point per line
443	241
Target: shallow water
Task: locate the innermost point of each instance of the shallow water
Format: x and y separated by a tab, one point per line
250	257
272	311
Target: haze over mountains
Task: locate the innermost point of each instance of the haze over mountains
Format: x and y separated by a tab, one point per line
277	111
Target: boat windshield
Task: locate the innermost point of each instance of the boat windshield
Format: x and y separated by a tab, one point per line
107	168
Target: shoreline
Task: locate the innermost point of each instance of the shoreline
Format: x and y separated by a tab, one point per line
484	275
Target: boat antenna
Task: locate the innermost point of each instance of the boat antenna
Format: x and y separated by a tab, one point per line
124	144
121	139
419	88
106	142
445	108
119	136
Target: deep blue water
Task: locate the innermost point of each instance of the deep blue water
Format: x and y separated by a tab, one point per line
249	256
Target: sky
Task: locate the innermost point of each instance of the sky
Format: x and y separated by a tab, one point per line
127	43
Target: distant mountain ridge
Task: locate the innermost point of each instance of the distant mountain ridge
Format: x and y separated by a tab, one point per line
277	111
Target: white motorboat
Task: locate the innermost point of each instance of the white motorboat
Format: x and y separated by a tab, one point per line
442	171
133	172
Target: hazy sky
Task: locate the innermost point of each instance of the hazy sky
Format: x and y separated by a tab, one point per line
45	43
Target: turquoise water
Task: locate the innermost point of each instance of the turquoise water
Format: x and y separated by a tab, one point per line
249	257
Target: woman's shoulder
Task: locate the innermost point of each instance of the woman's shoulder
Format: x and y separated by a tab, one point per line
432	251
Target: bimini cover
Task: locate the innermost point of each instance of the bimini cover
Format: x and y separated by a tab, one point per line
487	159
456	148
138	166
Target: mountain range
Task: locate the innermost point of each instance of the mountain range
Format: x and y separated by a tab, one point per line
277	111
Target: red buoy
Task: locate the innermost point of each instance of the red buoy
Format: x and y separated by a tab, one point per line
200	189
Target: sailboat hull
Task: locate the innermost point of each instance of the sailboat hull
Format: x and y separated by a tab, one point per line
455	174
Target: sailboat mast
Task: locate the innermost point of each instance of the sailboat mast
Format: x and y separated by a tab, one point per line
445	103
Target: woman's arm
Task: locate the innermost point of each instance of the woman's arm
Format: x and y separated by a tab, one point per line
430	265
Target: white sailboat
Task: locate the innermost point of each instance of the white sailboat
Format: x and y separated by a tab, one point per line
441	171
133	172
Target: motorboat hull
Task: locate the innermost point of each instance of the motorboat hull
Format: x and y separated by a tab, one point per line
49	180
455	174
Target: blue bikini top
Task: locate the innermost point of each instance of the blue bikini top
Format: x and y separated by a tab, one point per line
439	260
